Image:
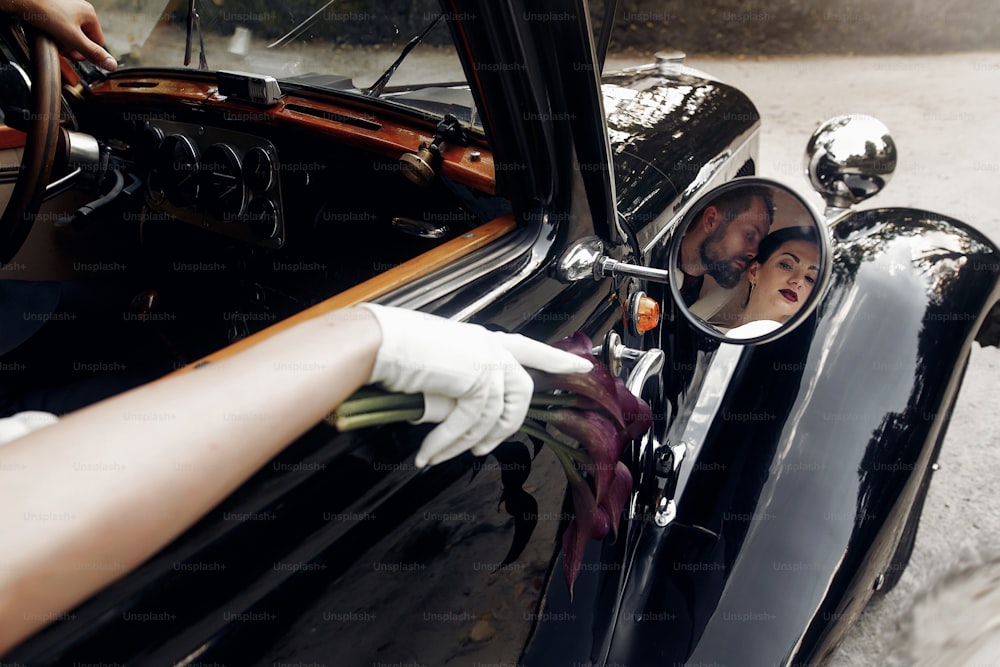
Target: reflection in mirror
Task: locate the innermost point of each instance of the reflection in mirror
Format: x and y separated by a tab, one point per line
849	159
749	261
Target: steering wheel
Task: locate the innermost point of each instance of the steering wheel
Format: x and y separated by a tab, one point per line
40	145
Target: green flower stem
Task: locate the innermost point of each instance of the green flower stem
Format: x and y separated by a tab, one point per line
353	422
369	407
547	400
565	454
376	400
371	390
380	402
538	415
576	453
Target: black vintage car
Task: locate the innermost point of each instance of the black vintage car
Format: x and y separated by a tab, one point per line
200	208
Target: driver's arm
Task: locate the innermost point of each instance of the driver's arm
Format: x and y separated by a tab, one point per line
72	24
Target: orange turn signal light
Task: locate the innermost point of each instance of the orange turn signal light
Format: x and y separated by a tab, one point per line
642	313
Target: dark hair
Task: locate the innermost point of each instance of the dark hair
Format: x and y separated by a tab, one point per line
770	244
738	200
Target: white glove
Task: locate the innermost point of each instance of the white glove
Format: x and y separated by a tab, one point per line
473	378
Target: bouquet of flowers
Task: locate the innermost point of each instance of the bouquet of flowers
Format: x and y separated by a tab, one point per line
585	419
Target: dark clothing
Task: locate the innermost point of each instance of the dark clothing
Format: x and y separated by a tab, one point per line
26	307
65	345
691	288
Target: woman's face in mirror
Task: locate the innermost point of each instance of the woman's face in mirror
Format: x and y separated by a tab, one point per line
782	281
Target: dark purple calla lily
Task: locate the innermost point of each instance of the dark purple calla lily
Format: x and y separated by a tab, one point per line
590	522
598	385
617	494
578	344
636	412
597	434
615	417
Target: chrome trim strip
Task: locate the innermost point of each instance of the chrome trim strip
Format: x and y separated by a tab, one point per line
9	174
509	251
649	364
55	185
535	262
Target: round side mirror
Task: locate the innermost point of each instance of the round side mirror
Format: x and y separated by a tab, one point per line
749	261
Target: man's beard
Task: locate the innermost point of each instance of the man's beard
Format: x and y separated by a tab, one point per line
720	268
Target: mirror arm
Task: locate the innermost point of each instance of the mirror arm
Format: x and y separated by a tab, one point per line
606	266
586	259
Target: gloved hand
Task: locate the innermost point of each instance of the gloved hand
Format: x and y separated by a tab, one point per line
473	379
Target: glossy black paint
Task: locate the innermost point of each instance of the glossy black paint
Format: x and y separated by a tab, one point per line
668	129
798	479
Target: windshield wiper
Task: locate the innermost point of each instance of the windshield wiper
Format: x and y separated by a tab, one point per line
194	23
294	33
379	85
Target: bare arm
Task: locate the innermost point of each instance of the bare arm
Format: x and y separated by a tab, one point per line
72	24
115	482
167	452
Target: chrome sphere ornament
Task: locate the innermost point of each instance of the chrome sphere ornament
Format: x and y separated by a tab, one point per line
849	159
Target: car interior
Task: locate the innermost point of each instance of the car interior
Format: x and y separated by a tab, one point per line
211	215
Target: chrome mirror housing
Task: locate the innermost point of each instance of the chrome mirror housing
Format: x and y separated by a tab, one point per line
849	159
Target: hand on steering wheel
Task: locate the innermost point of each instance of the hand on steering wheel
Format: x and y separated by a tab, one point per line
72	24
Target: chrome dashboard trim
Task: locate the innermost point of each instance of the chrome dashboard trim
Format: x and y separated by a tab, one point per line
516	249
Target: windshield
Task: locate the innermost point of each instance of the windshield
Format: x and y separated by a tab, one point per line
342	45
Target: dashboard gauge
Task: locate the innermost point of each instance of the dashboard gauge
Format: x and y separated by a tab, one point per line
258	169
149	140
177	169
220	183
148	144
262	214
218	179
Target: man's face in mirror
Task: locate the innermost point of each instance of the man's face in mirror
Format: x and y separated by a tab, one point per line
731	242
